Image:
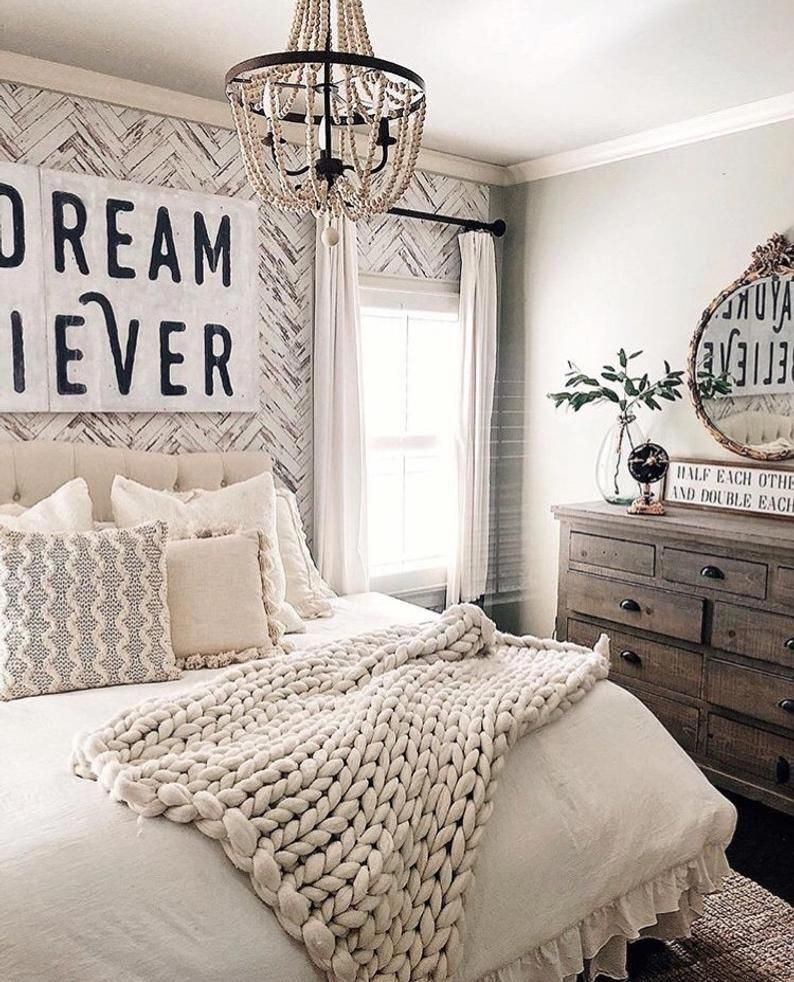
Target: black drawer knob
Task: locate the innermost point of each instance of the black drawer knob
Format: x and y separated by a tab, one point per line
631	657
633	606
782	771
787	705
789	644
712	573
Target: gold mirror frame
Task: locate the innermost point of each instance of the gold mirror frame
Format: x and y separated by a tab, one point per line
774	258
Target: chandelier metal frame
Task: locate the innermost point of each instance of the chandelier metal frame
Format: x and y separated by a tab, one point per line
339	173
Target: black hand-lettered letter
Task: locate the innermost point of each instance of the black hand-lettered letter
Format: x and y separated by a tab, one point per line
16	256
212	252
116	238
123	364
64	354
219	362
169	358
164	248
73	234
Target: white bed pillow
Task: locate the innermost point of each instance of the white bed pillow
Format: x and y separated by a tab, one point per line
306	590
248	505
221	599
67	509
82	610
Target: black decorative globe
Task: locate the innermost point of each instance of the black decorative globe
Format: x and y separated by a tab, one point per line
648	463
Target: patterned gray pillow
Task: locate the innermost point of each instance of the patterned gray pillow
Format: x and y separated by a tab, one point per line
80	610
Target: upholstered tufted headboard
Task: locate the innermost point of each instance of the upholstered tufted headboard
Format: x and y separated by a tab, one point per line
29	471
756	428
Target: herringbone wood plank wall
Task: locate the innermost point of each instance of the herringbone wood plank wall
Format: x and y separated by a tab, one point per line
49	129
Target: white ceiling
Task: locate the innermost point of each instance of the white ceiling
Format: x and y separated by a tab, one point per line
508	80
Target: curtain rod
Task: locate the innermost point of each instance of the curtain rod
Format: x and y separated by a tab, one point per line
497	228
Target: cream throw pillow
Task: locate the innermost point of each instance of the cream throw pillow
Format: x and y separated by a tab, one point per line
248	505
80	610
68	509
221	599
306	590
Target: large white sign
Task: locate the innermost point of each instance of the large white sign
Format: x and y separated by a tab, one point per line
123	298
731	487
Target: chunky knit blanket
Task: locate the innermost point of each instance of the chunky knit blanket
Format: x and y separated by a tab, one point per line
353	781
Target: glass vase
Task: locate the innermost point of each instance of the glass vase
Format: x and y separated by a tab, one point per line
615	483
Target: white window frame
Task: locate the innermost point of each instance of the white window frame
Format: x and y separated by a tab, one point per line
399	294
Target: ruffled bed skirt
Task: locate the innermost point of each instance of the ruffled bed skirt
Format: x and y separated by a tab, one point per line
662	908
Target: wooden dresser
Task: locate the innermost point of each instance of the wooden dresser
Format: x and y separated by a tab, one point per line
699	608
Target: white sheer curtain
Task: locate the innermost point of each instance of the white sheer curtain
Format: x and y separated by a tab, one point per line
340	472
476	374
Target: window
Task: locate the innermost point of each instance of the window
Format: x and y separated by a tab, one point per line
409	339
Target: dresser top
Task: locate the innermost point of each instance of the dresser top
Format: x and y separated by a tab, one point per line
742	529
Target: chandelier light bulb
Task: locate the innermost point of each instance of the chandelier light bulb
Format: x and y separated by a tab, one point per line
325	126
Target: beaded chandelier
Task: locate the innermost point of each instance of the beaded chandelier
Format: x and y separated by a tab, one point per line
360	117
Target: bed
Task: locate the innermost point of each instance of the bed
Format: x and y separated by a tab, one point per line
603	829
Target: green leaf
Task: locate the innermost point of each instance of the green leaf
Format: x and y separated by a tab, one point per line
612	396
622	358
635	355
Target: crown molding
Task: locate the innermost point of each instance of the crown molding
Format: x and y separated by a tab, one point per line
734	120
80	82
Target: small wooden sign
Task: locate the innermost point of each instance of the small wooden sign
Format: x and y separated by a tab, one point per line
752	488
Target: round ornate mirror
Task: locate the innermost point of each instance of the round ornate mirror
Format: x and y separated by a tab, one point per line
741	360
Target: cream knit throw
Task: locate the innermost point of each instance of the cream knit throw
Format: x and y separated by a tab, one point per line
352	782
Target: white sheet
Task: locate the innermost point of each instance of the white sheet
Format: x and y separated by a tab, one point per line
588	808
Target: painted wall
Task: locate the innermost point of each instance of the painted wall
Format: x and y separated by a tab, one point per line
627	254
49	129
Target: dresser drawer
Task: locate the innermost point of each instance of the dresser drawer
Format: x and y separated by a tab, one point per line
783	586
753	693
646	661
753	633
600	550
643	607
680	721
763	755
740	576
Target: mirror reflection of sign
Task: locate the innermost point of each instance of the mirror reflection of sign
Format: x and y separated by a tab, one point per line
749	336
116	297
731	486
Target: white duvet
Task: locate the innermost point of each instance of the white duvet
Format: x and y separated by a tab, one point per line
600	824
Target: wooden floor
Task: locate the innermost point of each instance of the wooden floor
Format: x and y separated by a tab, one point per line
763	847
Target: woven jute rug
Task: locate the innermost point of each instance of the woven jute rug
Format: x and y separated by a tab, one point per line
746	934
